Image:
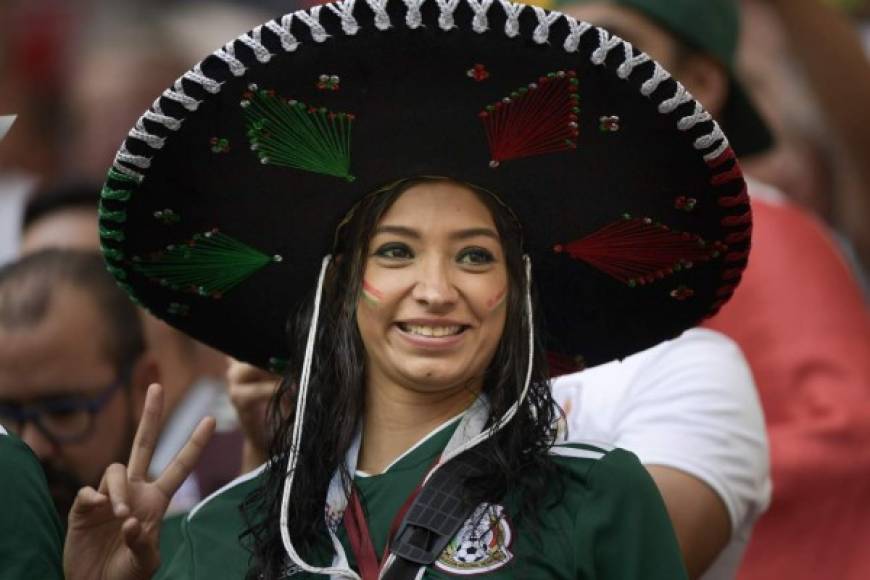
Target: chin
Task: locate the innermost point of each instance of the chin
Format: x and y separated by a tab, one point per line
431	377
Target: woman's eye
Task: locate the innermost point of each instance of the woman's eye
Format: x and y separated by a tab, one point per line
394	251
475	256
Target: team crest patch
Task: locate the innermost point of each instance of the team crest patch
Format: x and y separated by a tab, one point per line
481	545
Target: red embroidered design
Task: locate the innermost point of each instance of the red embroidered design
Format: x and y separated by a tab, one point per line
682	293
478	73
637	251
328	82
684	203
219	144
608	124
534	120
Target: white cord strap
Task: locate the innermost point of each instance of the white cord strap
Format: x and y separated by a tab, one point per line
504	419
541	35
479	22
312	20
512	13
576	32
344	10
382	19
296	437
282	31
445	17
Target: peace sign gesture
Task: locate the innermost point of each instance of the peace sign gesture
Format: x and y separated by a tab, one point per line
113	532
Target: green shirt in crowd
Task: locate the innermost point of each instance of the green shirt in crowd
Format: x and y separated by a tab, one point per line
610	524
31	537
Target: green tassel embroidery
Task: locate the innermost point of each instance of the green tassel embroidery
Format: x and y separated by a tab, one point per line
293	134
118	273
118	176
115	194
112	216
112	253
109	234
211	264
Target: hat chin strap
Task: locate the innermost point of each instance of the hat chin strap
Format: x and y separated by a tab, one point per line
298	420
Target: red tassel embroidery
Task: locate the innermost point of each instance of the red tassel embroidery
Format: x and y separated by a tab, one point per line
478	72
637	251
534	120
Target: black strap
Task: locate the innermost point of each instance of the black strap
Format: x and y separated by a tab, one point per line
434	517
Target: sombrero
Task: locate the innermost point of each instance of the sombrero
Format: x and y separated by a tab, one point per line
226	194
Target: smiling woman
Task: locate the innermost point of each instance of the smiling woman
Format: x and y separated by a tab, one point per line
415	433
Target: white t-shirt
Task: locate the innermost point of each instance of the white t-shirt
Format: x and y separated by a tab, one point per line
691	404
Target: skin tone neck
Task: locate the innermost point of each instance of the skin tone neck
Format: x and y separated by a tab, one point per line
396	418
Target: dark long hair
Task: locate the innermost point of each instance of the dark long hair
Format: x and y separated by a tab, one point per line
516	457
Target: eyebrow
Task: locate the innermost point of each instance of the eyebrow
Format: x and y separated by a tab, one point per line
456	235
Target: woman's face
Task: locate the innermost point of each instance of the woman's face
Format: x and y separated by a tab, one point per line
434	294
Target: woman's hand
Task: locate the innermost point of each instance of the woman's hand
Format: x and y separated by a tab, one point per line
250	390
113	531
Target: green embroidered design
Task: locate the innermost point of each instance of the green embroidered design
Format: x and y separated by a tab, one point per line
115	194
118	273
119	176
292	134
110	234
211	264
112	253
219	144
118	217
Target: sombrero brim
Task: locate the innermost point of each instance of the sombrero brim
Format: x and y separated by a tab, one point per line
225	196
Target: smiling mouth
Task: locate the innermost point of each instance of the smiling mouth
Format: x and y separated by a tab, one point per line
431	331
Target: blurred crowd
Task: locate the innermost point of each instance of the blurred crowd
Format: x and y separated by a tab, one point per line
76	356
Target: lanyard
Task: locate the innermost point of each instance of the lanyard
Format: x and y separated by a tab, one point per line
360	539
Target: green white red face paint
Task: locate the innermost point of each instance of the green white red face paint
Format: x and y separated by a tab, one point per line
497	300
371	294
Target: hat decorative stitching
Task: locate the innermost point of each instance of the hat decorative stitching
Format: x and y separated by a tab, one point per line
414	17
534	120
344	10
576	32
177	94
445	18
637	251
155	115
293	134
118	216
542	30
219	144
153	141
211	264
282	31
606	43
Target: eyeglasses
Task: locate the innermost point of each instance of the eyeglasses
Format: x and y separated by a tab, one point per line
62	419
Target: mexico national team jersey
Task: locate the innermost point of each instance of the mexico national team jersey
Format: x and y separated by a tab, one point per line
610	523
31	537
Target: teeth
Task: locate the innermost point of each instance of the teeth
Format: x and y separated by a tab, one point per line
434	331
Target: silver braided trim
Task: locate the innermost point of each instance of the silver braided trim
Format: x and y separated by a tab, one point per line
681	97
228	55
479	23
344	10
382	19
195	75
282	31
253	40
139	132
512	11
312	20
627	67
445	18
541	35
577	30
414	18
606	43
177	94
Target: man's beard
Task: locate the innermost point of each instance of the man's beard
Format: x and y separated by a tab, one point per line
63	485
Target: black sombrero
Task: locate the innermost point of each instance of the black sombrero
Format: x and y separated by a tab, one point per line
225	196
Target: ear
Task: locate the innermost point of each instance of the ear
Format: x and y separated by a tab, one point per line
145	371
707	80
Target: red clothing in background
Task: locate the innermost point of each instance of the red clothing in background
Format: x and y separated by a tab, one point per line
801	321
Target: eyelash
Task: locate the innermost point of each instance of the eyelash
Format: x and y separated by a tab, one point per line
389	251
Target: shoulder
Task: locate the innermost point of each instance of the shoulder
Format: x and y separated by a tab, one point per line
594	463
230	495
29	526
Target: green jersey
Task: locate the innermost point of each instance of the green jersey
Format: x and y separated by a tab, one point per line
31	537
610	523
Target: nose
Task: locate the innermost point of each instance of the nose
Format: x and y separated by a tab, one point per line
434	286
41	446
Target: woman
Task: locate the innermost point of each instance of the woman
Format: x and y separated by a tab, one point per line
417	352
